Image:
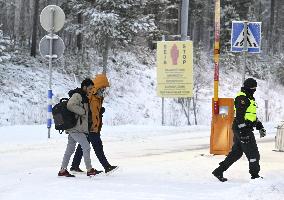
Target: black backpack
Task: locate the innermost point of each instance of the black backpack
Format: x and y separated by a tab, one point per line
63	118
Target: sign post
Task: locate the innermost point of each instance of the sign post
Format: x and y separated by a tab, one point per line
246	37
245	50
174	70
51	46
163	99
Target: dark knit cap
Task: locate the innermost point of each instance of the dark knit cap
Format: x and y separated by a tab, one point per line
250	83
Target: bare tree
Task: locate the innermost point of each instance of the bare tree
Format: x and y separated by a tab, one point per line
185	105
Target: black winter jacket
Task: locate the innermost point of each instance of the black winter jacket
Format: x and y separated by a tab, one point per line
241	105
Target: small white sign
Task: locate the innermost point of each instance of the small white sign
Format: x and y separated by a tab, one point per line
46	18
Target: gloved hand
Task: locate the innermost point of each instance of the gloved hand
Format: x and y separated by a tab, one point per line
245	139
258	125
102	110
262	132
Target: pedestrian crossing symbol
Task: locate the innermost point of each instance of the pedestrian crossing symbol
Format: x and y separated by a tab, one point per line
253	37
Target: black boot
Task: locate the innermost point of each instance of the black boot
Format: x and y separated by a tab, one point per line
256	176
76	169
218	173
110	169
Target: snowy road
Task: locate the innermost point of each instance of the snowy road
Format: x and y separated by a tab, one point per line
156	163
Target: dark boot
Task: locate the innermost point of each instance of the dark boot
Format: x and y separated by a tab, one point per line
218	173
256	176
110	169
76	169
98	171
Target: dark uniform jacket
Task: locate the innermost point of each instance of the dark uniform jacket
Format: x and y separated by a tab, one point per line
241	105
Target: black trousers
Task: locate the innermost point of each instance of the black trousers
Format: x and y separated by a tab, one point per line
250	149
95	140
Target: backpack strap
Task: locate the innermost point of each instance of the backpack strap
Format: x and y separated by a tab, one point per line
64	99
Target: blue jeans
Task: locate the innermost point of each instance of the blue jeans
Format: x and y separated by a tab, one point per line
95	140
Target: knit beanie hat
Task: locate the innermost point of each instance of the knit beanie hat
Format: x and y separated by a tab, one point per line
250	83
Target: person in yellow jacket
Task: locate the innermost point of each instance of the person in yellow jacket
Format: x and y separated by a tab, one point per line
96	97
243	126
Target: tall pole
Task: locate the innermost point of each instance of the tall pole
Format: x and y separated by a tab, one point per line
245	50
266	110
183	30
163	99
184	19
35	28
216	55
49	107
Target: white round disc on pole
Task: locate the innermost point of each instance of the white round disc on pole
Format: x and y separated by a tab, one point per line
52	17
58	47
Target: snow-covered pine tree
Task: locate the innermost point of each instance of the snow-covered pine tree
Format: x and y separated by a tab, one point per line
110	24
119	21
228	14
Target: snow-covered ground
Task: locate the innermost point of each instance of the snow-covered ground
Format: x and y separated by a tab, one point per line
156	163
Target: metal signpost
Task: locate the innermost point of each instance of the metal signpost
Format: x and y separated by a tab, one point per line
163	99
51	46
175	64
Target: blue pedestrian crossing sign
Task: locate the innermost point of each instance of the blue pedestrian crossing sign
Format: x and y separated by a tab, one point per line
253	37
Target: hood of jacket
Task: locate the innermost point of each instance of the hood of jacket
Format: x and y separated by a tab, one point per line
100	81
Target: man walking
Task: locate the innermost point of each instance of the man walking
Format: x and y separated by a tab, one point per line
244	139
79	104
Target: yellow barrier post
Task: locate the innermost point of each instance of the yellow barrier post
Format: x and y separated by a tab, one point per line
222	108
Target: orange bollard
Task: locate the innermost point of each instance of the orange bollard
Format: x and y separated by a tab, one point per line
221	139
